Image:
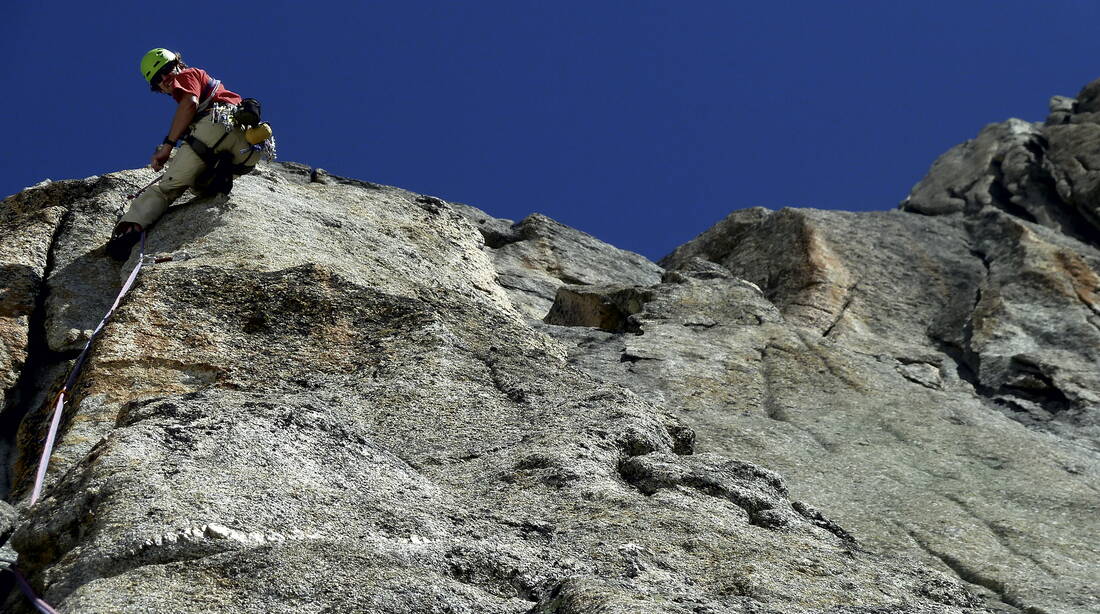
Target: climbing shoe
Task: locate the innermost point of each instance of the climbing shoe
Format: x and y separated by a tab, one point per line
122	241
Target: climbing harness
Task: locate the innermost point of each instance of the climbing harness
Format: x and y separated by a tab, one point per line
208	95
216	176
218	172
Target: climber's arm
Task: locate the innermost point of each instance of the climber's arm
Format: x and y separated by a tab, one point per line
185	113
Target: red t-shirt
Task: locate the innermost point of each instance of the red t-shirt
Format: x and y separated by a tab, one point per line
192	82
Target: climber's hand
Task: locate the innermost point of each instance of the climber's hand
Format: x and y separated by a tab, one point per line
160	156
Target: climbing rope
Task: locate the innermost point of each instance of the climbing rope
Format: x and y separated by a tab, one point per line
59	404
33	597
59	408
147	186
59	399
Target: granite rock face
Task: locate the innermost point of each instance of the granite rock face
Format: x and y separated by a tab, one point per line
324	394
871	386
537	255
928	376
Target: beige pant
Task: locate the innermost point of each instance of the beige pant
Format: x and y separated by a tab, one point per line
184	166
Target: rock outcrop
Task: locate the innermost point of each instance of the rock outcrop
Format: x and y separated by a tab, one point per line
319	395
928	376
536	256
327	394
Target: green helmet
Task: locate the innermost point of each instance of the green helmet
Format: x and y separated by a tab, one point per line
155	60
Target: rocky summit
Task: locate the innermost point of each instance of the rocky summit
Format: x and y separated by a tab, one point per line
328	395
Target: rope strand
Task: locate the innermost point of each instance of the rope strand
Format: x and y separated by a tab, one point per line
39	603
59	408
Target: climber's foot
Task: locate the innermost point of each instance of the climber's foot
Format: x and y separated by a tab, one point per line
123	239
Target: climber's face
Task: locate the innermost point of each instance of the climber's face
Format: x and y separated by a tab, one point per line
163	85
161	82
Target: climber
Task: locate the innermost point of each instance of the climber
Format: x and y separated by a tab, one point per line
215	147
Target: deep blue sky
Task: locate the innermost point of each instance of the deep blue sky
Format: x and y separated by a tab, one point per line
640	122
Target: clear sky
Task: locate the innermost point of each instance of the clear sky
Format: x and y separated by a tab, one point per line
640	122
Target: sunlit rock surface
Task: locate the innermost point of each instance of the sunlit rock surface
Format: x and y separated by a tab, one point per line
325	394
322	397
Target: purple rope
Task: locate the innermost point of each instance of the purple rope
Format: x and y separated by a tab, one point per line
150	184
35	600
55	422
59	408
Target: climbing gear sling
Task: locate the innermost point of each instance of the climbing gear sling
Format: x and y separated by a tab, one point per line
208	92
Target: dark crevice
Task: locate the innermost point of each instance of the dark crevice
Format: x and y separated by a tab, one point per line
969	362
496	238
976	577
1037	186
1068	219
1043	391
1084	163
772	407
502	583
432	204
1006	399
40	361
848	297
683	439
1002	197
1072	221
818	519
958	356
502	381
1051	399
1046	395
1017	402
746	492
1077	225
1037	147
